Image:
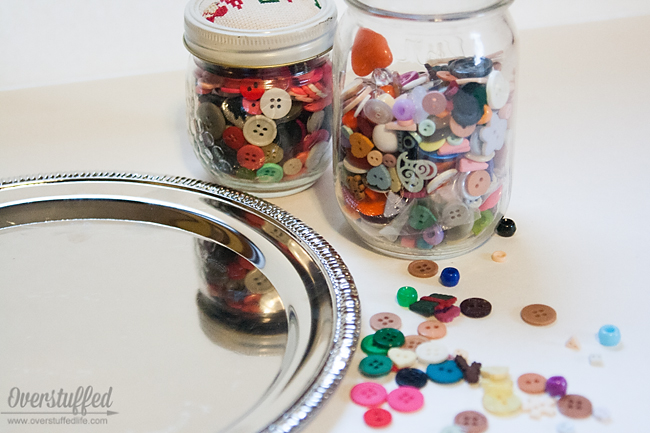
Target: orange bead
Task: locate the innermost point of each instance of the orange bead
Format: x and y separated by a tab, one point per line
349	120
369	51
389	89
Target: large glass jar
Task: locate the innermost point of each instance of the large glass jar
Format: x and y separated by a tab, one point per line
424	134
259	91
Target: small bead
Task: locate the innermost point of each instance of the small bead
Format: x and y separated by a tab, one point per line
406	296
506	228
449	277
556	386
609	335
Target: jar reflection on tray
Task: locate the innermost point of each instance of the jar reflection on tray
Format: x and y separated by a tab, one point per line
423	140
259	93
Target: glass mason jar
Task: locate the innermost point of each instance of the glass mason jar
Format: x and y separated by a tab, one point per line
424	98
259	91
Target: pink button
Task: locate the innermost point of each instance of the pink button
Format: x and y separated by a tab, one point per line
406	399
368	394
466	165
448	149
385	320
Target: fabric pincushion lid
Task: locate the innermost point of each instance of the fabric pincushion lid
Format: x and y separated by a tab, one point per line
259	33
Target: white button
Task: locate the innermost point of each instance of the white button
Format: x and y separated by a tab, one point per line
317	155
432	352
259	130
384	140
498	90
275	103
402	358
315	121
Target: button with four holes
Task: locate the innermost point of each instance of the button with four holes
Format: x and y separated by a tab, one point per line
275	103
538	315
377	417
375	365
385	320
411	377
388	337
432	329
250	157
259	130
368	394
405	399
423	268
445	372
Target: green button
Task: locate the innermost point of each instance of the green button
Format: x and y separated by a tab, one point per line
389	337
480	224
421	217
245	173
370	348
375	365
270	172
406	296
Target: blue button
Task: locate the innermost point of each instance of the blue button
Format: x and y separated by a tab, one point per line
445	372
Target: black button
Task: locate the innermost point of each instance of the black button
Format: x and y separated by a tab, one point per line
411	377
470	67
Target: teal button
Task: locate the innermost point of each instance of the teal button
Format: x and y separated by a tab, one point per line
375	365
370	348
270	172
421	217
389	337
426	128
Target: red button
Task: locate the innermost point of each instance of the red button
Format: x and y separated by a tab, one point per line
377	417
251	157
234	137
251	107
251	89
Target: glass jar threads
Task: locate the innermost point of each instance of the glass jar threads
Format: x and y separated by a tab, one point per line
259	91
423	139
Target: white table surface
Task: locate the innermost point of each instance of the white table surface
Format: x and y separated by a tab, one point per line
580	200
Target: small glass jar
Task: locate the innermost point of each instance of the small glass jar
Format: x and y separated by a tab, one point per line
424	109
259	91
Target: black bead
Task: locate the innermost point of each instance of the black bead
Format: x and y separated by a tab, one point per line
506	227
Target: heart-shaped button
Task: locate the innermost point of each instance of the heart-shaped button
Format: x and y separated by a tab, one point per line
370	51
402	358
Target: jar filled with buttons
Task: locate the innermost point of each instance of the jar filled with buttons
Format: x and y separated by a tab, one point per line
424	122
259	91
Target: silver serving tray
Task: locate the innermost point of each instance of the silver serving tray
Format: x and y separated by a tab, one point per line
199	308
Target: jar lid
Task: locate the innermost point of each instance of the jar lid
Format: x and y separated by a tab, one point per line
259	33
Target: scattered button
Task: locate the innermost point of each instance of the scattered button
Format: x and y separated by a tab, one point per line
405	399
449	277
532	383
402	358
423	268
538	315
432	330
502	405
377	417
389	337
406	296
556	386
369	346
432	352
472	421
411	377
596	360
539	406
476	308
499	256
574	406
375	365
444	372
385	320
411	342
609	335
368	394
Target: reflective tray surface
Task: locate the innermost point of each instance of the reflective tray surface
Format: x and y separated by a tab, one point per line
184	306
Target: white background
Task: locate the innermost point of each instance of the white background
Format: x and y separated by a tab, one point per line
44	42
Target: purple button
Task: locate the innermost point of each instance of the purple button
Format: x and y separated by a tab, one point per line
403	109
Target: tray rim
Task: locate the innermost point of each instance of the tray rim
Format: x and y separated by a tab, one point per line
345	331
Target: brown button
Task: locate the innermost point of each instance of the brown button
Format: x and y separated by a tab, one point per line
423	268
385	320
538	315
472	421
574	406
432	329
411	342
532	383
